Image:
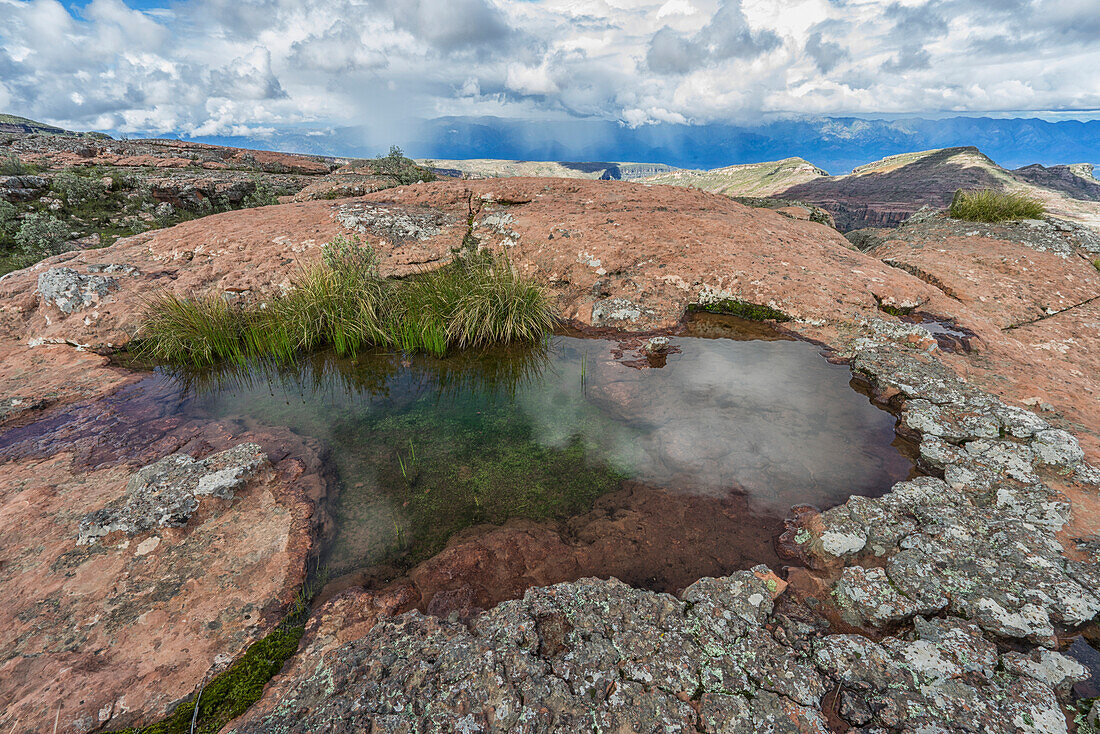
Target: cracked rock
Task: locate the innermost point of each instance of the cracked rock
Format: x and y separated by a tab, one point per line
945	679
868	595
595	655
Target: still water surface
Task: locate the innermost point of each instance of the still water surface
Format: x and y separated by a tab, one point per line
728	432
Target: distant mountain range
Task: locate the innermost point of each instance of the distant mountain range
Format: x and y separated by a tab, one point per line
837	145
23	125
879	194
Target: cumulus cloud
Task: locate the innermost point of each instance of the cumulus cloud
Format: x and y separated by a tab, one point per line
220	67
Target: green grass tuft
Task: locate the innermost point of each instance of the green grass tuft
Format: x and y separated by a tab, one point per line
477	300
742	309
192	331
994	206
342	302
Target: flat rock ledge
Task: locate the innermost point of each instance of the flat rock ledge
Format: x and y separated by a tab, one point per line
598	655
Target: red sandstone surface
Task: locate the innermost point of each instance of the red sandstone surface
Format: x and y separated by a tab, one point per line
133	645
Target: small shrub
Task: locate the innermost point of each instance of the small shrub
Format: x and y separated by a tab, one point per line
12	261
994	206
9	221
263	195
10	165
403	170
41	235
75	188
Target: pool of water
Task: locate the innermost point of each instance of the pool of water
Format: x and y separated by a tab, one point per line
696	454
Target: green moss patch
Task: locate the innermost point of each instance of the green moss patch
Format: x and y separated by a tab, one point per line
229	694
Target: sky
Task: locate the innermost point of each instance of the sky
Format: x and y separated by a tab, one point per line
248	68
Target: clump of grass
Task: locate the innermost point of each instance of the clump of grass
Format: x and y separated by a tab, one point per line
343	302
477	300
987	205
192	331
742	309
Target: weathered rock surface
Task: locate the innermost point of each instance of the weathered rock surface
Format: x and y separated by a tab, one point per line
118	631
601	655
700	246
1005	541
68	150
23	188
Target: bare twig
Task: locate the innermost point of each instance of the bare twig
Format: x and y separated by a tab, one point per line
195	713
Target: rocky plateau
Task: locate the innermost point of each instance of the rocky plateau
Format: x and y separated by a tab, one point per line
144	552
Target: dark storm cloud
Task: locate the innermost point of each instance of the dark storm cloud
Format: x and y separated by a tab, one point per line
726	36
826	54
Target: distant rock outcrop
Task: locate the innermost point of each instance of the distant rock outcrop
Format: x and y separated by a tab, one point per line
23	125
751	179
476	168
1074	180
885	193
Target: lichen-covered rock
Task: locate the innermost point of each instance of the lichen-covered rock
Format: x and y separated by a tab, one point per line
944	679
1046	666
166	493
580	656
616	311
600	656
990	557
392	223
71	291
869	596
981	542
